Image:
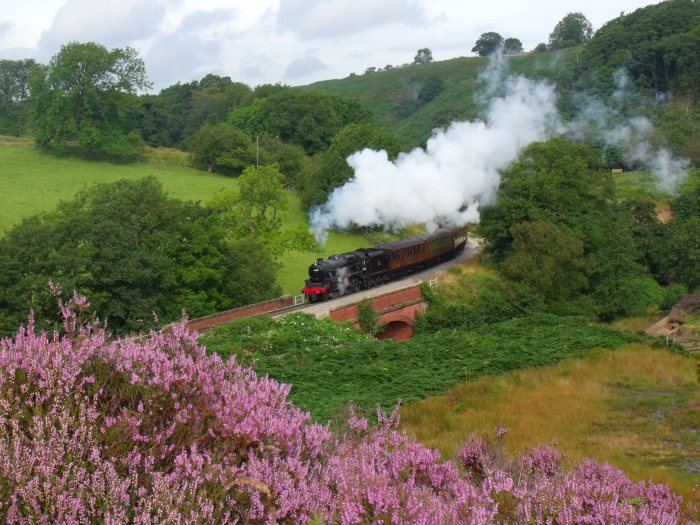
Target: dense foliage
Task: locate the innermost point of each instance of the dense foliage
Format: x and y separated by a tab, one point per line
222	148
330	366
556	228
137	252
656	45
87	95
103	431
15	77
675	250
172	116
305	118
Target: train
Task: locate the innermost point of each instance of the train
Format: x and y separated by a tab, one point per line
363	268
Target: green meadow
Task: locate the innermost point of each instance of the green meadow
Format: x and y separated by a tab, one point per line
32	182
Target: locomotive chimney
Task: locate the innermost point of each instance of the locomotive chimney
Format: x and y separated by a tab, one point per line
320	259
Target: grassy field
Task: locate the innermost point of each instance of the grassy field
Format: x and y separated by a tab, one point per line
636	408
33	181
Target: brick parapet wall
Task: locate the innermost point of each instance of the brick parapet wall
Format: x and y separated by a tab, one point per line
386	302
245	311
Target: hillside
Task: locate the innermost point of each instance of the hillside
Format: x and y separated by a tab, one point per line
393	95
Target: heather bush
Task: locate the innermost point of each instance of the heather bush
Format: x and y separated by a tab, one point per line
97	430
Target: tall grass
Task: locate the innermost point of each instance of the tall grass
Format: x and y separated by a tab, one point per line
637	408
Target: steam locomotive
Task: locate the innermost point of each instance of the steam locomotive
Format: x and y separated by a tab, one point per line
365	267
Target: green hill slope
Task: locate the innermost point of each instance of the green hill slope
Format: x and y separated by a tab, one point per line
392	94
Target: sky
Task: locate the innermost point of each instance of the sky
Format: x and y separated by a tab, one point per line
293	42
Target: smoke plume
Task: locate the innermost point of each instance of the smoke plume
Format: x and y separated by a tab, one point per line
458	171
610	124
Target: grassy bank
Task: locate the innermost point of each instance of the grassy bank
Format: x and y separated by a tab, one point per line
637	408
330	366
34	181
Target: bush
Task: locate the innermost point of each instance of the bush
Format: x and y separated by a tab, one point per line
672	294
626	297
488	300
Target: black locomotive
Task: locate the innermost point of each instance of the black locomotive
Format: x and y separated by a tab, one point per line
365	267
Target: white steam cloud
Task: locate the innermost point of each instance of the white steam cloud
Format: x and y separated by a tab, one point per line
456	172
632	136
459	170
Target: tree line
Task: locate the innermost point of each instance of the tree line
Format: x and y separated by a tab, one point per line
86	101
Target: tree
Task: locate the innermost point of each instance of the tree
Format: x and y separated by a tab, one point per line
333	169
134	252
540	48
571	30
423	56
290	158
554	181
512	46
655	45
487	43
548	258
88	96
15	76
251	212
308	119
222	148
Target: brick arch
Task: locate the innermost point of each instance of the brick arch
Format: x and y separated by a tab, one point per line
398	328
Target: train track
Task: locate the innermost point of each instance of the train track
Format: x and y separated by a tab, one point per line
287	304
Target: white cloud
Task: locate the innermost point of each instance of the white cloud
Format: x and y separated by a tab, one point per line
180	58
303	67
112	24
312	19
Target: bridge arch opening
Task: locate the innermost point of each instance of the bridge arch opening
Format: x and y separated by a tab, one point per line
396	330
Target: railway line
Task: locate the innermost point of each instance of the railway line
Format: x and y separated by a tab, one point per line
288	304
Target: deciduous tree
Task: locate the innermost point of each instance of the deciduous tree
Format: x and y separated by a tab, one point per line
305	118
487	43
88	96
423	56
222	148
549	258
512	46
135	252
15	76
571	30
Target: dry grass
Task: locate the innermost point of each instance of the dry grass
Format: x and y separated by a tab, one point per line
456	284
636	408
167	156
638	324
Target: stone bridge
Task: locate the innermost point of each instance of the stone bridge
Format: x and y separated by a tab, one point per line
396	312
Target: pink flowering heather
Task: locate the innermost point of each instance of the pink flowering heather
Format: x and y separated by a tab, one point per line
118	431
96	430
